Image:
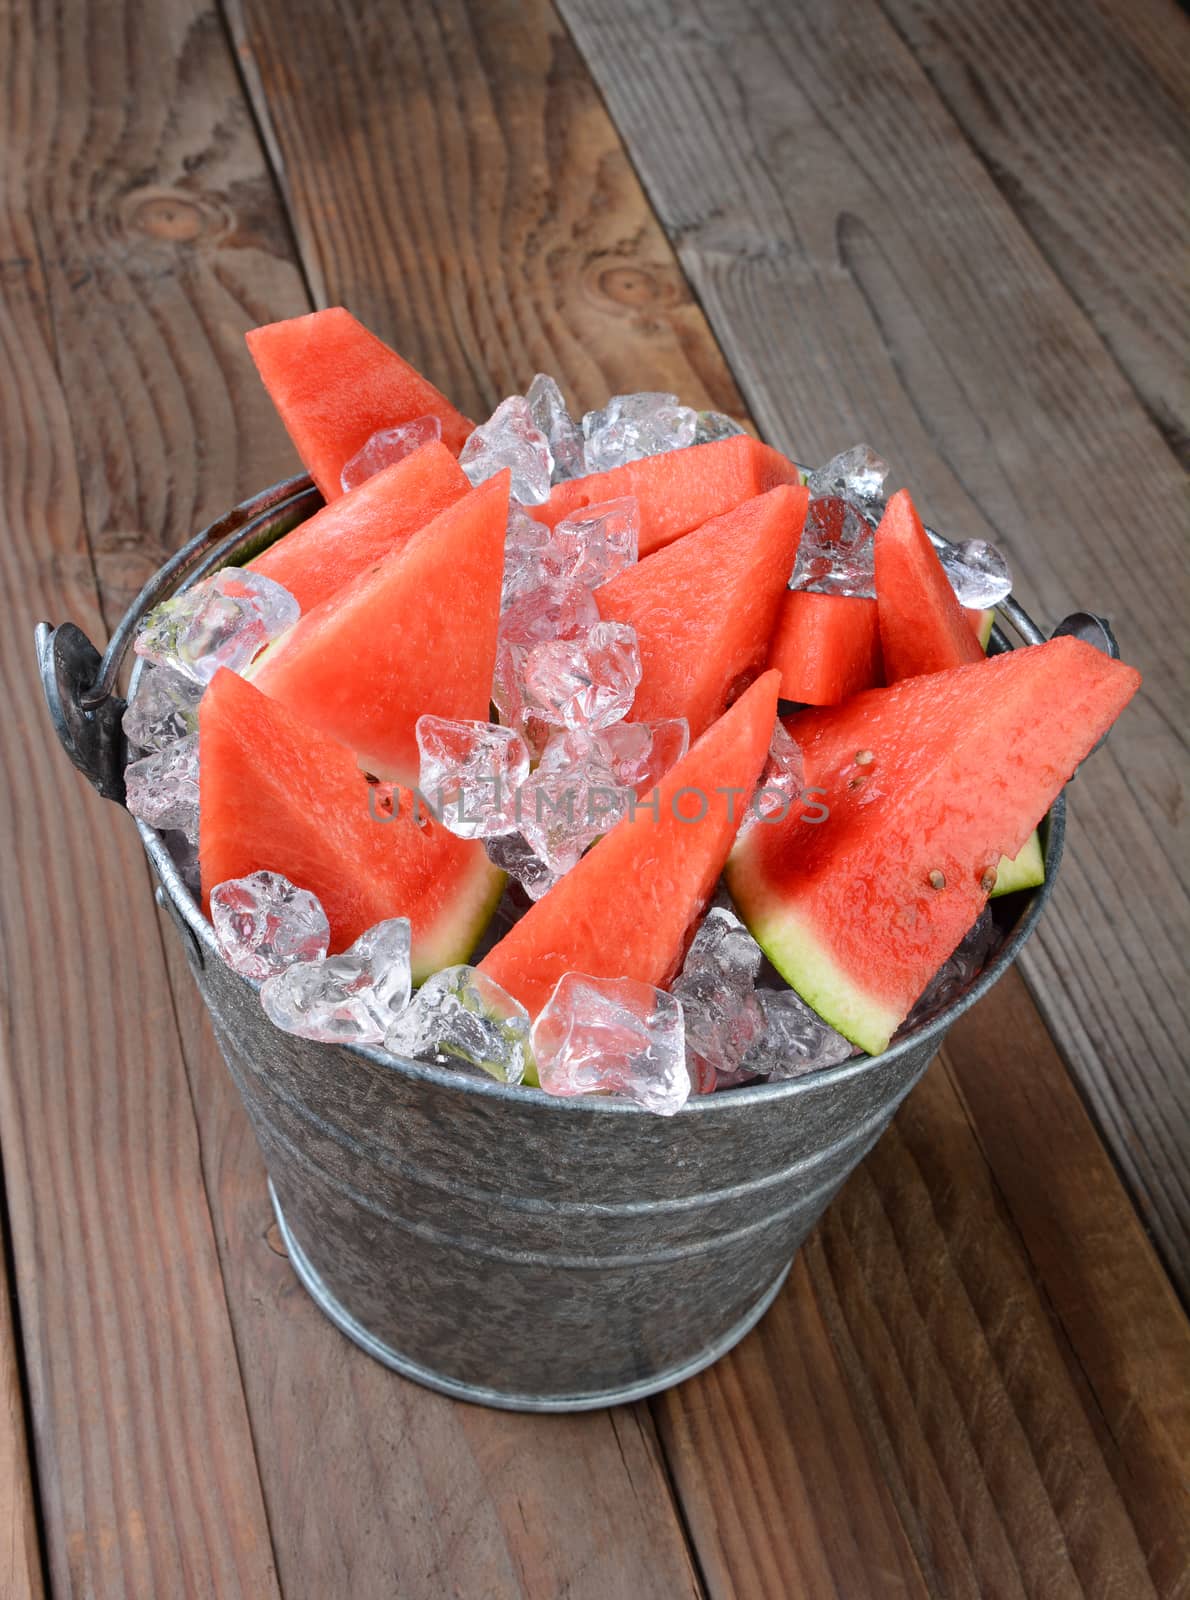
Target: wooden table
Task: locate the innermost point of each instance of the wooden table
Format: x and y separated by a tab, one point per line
956	231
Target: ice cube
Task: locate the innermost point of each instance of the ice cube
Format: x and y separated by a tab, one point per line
591	548
513	853
714	425
641	753
461	1015
469	774
525	544
837	553
511	438
549	412
162	788
559	609
561	810
224	621
386	446
857	474
263	924
634	425
957	973
163	709
978	573
716	988
586	682
613	1036
353	998
781	782
794	1039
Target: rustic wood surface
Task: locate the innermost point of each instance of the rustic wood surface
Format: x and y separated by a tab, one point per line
977	1379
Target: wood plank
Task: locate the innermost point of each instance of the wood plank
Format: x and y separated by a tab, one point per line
1088	145
981	1309
146	1464
867	280
21	1576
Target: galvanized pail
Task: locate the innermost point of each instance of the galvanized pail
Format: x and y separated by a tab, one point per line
492	1242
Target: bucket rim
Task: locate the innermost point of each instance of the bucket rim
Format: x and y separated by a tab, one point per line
251	514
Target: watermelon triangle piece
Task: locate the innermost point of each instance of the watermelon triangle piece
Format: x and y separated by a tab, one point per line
626	909
334	385
277	796
414	635
926	785
825	646
704	608
679	489
359	529
922	626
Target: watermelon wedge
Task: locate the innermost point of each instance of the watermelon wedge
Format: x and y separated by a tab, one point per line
922	626
825	646
679	489
625	910
357	530
705	607
335	384
278	796
927	784
414	635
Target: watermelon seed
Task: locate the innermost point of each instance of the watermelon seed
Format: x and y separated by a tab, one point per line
937	879
863	758
988	881
856	783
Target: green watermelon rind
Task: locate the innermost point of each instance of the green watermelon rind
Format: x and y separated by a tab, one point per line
1026	870
461	924
798	955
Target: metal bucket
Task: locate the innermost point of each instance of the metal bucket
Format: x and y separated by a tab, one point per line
492	1242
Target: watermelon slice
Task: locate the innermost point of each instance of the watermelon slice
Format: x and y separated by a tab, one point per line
825	646
625	910
335	384
357	530
922	626
278	796
680	489
414	635
927	784
705	607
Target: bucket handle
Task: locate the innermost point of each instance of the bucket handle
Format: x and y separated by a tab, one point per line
80	686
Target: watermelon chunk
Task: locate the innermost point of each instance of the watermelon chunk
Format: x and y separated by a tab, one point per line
927	784
335	384
922	626
704	608
825	646
278	796
414	635
357	530
625	910
679	489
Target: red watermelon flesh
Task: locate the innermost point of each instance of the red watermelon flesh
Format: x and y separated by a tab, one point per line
625	910
335	384
414	635
705	607
825	646
922	626
679	489
927	785
357	530
277	796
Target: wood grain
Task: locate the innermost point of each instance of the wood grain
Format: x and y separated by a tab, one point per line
21	1575
1091	149
113	319
969	1315
867	279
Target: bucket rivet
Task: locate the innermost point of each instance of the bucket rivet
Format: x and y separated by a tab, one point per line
937	879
